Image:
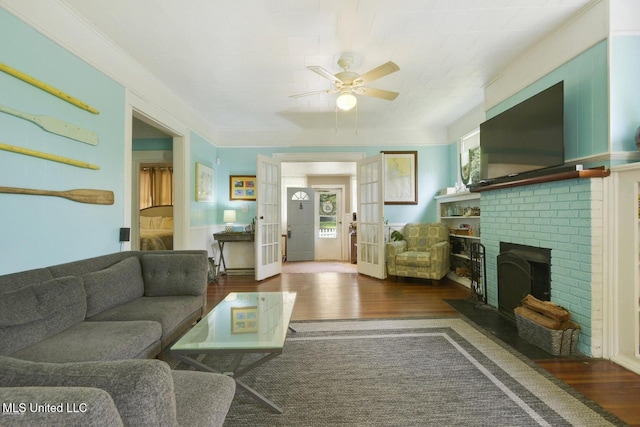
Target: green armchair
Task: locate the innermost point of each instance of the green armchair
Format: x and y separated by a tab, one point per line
424	252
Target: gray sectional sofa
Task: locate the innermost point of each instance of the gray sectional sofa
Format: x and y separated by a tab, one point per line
91	324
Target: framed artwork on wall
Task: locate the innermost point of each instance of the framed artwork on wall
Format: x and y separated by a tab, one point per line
400	177
204	183
242	187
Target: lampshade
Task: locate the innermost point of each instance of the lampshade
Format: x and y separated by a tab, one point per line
229	216
346	101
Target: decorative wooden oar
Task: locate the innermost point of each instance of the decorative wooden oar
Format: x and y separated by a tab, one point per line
96	197
47	156
45	87
57	126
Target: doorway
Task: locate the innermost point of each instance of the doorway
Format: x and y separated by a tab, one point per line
152	155
321	170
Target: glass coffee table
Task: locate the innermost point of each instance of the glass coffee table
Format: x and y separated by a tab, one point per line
242	323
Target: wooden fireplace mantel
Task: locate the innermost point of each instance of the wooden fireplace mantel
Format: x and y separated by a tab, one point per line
600	172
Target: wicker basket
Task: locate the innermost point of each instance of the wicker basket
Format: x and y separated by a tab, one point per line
557	342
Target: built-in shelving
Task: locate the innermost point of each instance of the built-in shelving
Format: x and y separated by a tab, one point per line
625	278
461	213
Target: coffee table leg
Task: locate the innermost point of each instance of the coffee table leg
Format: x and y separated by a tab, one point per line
259	397
236	373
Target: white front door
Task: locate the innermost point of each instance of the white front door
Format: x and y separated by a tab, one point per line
300	224
371	259
328	224
268	225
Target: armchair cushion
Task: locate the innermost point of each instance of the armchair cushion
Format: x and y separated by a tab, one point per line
414	259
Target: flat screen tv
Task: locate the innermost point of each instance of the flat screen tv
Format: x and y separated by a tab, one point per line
527	137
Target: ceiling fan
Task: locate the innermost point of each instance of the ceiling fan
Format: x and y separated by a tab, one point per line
349	83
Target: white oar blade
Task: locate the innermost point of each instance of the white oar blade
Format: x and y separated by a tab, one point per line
53	125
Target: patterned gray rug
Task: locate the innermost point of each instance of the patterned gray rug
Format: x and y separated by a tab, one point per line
420	372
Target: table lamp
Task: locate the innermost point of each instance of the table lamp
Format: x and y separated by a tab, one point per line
229	217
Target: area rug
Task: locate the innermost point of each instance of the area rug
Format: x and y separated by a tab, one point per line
318	267
417	372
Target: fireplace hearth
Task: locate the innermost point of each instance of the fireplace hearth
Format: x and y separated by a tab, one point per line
522	270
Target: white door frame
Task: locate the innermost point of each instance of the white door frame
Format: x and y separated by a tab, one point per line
152	115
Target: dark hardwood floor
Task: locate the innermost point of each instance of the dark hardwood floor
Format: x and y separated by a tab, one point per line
326	296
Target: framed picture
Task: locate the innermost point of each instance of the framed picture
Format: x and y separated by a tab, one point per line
242	187
244	320
204	183
400	177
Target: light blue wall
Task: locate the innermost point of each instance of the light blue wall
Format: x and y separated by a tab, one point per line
203	152
431	177
586	102
625	92
38	230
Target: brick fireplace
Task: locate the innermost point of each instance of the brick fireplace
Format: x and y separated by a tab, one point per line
565	217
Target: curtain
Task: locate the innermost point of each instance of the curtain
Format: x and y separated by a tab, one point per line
156	186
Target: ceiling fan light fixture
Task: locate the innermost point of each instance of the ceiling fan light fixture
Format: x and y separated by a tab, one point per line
346	101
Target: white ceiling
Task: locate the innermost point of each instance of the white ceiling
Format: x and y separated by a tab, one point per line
237	61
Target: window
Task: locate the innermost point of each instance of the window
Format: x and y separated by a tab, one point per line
470	157
300	195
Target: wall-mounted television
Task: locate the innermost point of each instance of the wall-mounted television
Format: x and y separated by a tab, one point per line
527	137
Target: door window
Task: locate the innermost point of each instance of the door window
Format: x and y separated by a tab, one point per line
328	216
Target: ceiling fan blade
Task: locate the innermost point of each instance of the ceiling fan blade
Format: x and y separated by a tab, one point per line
376	73
324	73
315	92
376	93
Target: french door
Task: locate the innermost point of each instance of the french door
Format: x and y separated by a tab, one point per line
371	259
268	226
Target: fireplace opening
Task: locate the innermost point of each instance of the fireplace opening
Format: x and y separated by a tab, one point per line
522	270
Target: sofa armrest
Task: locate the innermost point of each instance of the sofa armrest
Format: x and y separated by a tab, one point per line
57	406
175	273
142	390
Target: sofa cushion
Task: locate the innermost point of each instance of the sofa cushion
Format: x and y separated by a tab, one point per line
118	284
33	313
97	341
141	389
171	312
414	259
162	271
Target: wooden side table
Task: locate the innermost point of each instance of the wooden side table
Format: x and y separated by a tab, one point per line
224	237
